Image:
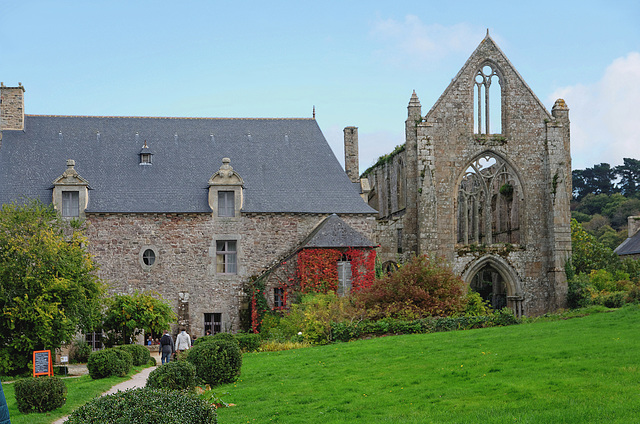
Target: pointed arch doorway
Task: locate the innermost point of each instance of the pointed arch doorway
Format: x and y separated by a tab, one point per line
497	282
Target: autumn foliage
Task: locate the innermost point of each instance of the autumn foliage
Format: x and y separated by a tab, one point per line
422	287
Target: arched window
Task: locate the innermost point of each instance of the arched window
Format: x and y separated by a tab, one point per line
488	203
487	102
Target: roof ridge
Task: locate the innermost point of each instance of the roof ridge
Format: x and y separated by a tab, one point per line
169	117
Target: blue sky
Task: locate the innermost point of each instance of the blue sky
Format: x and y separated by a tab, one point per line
356	61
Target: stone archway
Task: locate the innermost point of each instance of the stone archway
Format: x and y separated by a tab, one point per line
496	281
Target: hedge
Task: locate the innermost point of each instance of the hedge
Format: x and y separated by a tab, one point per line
145	406
216	361
175	375
139	353
41	394
108	362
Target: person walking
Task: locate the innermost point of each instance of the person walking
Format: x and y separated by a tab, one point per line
183	340
167	347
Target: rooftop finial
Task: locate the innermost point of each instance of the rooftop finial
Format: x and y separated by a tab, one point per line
487	32
145	145
314	111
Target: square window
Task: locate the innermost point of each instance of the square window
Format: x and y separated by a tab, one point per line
226	257
278	298
70	203
212	323
226	203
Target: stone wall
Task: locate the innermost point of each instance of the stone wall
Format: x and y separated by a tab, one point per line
185	248
534	145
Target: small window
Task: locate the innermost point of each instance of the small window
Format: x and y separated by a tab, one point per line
145	158
278	298
344	277
70	203
149	257
226	256
212	323
226	203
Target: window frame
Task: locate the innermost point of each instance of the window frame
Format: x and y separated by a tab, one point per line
70	203
227	203
227	257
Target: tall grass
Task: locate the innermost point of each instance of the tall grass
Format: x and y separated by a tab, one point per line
582	370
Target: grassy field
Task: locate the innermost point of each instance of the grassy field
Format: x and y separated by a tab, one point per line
583	370
79	391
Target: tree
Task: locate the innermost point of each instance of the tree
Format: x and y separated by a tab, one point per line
629	173
588	253
129	315
419	288
48	289
598	180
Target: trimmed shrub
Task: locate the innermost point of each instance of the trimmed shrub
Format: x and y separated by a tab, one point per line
79	351
108	362
145	406
249	342
42	394
216	361
139	354
152	362
176	375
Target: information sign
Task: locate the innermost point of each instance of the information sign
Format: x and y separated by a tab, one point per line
42	364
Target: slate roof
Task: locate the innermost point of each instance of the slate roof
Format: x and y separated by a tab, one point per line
286	164
631	246
333	232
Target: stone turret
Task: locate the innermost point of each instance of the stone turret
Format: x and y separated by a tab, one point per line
351	163
11	107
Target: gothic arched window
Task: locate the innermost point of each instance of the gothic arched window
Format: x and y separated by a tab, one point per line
487	92
488	203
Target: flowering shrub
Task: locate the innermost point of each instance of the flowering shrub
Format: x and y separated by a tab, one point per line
420	288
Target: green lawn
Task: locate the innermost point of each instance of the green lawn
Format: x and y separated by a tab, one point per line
582	370
79	391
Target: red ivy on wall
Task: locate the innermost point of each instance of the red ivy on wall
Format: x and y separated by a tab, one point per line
318	272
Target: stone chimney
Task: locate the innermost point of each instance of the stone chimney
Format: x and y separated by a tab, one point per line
351	163
634	225
11	107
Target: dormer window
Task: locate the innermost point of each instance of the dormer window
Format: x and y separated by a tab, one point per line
70	203
145	154
225	192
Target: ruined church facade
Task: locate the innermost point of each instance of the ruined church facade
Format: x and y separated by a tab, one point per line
483	180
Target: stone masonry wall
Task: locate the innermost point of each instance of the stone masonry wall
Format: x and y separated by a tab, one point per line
11	108
185	247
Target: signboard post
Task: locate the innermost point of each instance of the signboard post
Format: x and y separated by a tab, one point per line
42	364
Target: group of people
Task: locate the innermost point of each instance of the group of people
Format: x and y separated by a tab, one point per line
168	348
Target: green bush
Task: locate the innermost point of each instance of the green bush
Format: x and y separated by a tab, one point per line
41	394
139	354
152	362
249	342
79	351
108	362
145	406
176	375
579	295
611	300
216	361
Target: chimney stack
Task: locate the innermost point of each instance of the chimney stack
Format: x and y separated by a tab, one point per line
351	164
11	107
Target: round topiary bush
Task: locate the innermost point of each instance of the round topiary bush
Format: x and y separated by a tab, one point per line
216	361
176	375
108	362
216	337
249	342
145	406
40	394
139	354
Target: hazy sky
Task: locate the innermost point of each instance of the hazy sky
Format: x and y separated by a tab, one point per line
356	61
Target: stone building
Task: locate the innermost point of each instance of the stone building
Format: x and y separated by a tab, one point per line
192	208
630	248
483	180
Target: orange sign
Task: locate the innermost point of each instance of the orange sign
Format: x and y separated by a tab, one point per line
42	364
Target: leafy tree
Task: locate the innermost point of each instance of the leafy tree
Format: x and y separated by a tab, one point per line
598	180
421	287
629	173
588	253
48	289
129	315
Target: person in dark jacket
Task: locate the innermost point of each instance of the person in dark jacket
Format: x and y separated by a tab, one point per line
4	409
166	347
